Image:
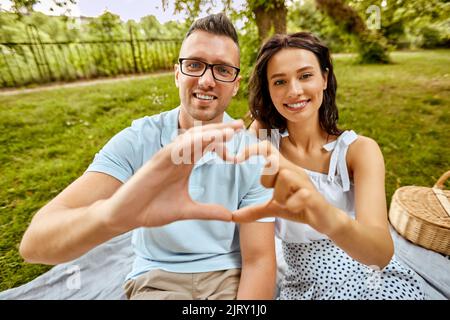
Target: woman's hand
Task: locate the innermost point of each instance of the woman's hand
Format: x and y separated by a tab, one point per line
294	198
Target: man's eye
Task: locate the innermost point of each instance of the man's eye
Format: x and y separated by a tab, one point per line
223	70
194	65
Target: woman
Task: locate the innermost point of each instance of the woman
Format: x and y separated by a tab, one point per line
329	195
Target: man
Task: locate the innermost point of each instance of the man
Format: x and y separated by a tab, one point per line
122	190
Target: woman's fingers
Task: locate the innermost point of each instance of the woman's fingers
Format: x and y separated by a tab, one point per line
298	200
286	184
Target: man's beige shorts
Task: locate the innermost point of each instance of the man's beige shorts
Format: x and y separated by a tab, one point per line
163	285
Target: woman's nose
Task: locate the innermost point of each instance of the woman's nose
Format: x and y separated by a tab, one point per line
295	89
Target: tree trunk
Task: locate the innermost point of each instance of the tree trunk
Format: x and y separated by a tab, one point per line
344	15
372	46
270	16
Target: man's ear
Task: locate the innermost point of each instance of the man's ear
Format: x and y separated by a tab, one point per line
176	68
236	85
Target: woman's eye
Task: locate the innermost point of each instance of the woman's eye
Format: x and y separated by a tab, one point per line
278	82
306	76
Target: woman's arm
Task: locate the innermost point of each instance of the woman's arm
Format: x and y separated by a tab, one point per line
366	239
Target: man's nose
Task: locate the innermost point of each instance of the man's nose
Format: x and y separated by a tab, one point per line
207	80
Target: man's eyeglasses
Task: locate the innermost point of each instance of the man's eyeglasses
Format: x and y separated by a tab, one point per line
197	68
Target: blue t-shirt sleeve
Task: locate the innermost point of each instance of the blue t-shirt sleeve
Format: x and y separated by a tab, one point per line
121	157
251	170
257	193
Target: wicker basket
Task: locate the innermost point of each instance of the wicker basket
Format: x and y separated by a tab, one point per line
422	215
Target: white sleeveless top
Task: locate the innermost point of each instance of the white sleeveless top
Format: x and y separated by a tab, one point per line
335	186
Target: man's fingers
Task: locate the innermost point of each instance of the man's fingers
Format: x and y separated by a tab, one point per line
263	148
270	170
204	211
222	152
192	145
215	141
251	213
234	125
212	135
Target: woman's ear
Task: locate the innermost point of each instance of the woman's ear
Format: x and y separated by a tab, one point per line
325	78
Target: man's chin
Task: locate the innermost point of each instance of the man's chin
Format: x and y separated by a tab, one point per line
206	114
204	118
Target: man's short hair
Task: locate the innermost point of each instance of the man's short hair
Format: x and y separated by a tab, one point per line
217	24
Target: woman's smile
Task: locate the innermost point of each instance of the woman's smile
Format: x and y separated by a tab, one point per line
297	106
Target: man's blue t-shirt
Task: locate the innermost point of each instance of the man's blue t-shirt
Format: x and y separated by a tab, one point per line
186	246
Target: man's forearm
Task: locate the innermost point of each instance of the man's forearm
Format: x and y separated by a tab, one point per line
257	281
65	233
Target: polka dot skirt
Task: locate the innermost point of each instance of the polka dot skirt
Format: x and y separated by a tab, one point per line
321	270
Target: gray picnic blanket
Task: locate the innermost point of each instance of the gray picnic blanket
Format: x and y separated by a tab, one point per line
433	267
100	273
97	275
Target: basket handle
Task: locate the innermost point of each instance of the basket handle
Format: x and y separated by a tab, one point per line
440	183
440	195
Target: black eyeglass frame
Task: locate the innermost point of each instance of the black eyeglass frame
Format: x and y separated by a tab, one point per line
208	66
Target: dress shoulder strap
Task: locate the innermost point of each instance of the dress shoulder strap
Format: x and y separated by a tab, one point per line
338	163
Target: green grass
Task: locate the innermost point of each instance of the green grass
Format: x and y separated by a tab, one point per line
49	138
405	107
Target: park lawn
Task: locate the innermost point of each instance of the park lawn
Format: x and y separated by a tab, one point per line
49	138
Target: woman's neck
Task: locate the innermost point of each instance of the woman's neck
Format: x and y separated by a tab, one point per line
306	136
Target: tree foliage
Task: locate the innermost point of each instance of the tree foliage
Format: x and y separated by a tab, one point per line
26	6
372	47
420	23
341	23
304	16
269	16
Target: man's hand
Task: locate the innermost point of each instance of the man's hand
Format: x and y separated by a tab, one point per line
158	193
